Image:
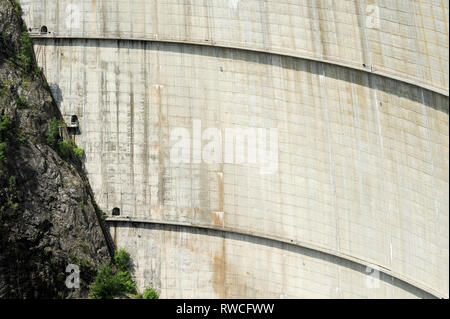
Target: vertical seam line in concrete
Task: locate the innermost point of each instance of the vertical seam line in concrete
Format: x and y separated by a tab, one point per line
430	146
117	94
373	88
367	58
324	95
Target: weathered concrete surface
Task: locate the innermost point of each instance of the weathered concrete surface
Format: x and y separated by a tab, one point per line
186	262
363	159
403	38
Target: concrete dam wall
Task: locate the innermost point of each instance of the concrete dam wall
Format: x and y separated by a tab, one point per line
349	196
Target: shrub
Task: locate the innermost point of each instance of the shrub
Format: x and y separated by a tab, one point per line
3	149
17	8
24	84
110	283
122	260
150	293
100	214
22	137
78	151
4	92
106	284
12	183
127	285
21	103
5	125
25	55
53	133
37	71
64	149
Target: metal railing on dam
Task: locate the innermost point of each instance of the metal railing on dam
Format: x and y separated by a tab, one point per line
358	173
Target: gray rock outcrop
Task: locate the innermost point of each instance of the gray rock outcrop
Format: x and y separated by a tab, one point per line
48	215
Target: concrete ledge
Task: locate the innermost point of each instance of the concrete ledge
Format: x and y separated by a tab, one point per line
337	62
311	246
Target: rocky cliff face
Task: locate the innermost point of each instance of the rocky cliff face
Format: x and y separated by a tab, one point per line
48	216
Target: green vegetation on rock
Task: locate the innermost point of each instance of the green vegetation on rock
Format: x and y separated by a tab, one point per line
101	215
64	148
5	125
114	280
122	260
79	152
21	103
150	293
25	55
53	132
18	8
41	182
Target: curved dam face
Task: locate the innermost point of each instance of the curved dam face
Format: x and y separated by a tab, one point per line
262	149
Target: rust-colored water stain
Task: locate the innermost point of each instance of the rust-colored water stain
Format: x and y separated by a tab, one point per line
93	7
219	275
188	245
216	218
227	281
220	187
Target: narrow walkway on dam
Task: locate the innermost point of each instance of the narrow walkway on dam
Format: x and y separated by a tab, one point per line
364	68
353	263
